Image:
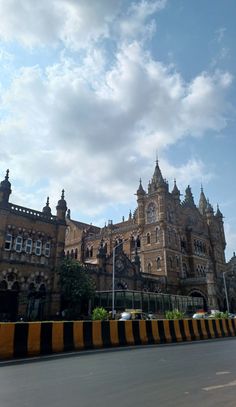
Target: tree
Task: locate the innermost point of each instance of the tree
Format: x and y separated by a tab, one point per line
77	286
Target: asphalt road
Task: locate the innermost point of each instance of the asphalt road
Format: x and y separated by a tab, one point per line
197	374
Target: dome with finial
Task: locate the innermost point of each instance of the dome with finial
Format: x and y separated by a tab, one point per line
62	203
5	189
140	190
47	209
6	183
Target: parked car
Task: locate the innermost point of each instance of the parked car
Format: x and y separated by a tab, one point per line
131	315
200	315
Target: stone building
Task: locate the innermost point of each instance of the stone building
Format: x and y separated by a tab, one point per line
31	245
166	245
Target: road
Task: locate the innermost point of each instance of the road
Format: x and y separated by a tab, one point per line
195	374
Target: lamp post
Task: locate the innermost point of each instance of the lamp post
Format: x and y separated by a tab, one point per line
113	276
225	286
226	292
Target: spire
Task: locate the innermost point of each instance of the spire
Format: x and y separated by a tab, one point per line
175	191
157	176
47	209
209	208
130	215
188	199
5	189
218	213
140	190
68	214
202	202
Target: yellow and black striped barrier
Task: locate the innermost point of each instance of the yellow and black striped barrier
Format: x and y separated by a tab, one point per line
40	338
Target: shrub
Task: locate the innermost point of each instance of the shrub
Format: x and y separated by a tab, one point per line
175	314
99	314
221	315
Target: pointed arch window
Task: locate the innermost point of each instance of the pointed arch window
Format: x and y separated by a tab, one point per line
148	238
158	263
149	268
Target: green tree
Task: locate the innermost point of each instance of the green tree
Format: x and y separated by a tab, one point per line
77	286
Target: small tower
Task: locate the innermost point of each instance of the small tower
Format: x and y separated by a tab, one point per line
188	199
176	192
141	200
61	207
202	203
5	190
47	210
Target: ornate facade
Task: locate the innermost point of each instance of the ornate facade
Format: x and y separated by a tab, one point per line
166	245
31	245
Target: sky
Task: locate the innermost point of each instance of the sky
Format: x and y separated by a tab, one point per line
92	91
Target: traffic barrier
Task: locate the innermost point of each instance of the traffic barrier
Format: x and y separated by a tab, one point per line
41	338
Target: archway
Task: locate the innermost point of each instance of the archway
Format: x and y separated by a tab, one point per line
8	301
199	294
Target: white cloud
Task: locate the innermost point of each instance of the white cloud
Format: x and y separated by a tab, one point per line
72	22
91	130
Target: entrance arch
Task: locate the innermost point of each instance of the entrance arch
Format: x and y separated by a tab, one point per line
199	294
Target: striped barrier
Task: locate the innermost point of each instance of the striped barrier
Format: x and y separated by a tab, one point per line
41	338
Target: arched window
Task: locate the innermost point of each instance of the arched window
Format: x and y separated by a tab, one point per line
151	213
158	234
72	254
8	241
185	270
177	261
38	247
18	244
132	243
3	285
28	246
158	263
171	262
138	242
149	268
87	252
76	253
47	248
148	238
91	251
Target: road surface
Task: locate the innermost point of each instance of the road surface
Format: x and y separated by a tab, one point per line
195	374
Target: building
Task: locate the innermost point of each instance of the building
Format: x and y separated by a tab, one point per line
31	245
166	245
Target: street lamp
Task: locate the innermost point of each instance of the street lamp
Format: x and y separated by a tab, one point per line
225	286
113	275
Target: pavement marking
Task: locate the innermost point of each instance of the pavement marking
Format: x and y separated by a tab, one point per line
220	386
221	373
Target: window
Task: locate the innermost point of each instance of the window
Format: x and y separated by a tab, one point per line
158	234
151	213
87	252
38	247
148	238
149	268
47	249
8	241
28	246
91	252
18	244
76	253
138	243
158	263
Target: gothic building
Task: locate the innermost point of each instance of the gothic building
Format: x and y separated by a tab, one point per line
31	245
166	245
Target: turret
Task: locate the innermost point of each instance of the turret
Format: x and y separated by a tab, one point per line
5	190
176	192
61	207
188	199
47	209
140	190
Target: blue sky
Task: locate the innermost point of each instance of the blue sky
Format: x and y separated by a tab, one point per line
90	90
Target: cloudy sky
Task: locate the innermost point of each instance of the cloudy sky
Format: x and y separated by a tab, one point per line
90	90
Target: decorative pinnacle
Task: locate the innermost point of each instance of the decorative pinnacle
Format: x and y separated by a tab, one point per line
47	203
7	175
63	194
